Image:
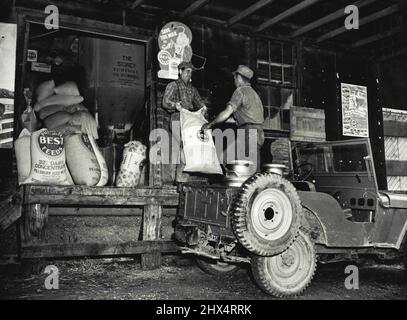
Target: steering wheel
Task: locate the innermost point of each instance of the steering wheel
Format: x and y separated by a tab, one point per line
304	176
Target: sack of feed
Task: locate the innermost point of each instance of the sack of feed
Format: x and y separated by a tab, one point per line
23	155
81	160
50	110
199	149
134	155
57	119
67	129
48	159
45	90
68	88
58	99
87	123
104	173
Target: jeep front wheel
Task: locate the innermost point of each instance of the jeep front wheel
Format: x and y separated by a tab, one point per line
266	214
290	272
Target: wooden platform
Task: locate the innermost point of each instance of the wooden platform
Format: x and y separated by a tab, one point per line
37	199
96	249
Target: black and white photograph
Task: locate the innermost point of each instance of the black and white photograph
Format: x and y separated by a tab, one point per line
203	158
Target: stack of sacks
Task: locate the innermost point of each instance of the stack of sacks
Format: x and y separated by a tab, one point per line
61	110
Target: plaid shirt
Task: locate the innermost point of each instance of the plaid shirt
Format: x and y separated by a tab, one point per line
186	94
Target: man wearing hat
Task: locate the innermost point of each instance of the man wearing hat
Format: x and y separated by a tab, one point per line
181	94
247	109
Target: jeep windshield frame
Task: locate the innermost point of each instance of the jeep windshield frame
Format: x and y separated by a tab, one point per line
345	158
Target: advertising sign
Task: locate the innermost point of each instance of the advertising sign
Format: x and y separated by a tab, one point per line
355	122
8	37
174	42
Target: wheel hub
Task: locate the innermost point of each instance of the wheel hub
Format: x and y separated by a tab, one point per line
271	214
287	259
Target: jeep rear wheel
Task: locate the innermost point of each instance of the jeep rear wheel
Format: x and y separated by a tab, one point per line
216	268
290	272
266	214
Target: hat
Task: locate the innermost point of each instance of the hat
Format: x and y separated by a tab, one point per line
244	71
185	65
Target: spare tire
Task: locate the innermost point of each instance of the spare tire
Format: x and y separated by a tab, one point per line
266	214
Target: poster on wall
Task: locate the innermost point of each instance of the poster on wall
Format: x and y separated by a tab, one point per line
174	42
355	122
116	80
8	37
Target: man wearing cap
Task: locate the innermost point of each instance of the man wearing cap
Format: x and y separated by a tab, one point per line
247	109
181	94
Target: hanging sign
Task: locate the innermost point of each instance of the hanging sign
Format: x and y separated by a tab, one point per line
8	43
174	42
355	122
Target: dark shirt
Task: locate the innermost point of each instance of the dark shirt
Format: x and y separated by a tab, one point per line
186	94
247	106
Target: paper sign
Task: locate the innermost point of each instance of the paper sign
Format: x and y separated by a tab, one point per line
8	43
355	122
32	55
41	67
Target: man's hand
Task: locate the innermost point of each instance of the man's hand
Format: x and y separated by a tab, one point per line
206	126
205	113
178	106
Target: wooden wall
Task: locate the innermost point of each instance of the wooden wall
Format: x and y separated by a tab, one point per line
322	74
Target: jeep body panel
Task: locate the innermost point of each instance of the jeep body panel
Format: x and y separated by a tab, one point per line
337	230
387	231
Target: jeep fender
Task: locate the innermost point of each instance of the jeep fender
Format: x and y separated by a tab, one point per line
326	215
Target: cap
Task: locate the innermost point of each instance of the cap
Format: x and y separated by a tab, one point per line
244	71
185	65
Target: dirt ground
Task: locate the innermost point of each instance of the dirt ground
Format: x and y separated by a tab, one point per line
179	278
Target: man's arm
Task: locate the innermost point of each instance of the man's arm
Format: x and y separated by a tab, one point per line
231	107
221	117
169	96
196	99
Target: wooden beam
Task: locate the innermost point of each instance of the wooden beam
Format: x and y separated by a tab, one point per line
10	210
54	250
196	5
136	4
394	128
293	10
393	55
96	196
247	12
376	37
331	17
151	231
378	15
396	168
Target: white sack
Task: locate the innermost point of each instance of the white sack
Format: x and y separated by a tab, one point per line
199	151
48	159
23	155
81	160
134	155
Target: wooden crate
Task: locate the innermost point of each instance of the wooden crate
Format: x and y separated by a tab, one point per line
395	146
307	124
